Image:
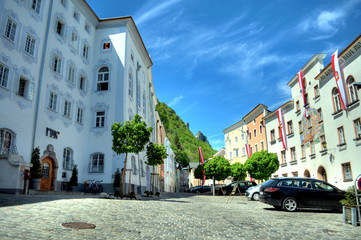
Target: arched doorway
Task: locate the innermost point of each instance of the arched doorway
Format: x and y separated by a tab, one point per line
307	173
46	181
321	174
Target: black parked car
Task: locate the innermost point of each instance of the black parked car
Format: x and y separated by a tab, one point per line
293	193
242	187
200	189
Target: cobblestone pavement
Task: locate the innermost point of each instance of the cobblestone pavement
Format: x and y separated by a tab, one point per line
172	216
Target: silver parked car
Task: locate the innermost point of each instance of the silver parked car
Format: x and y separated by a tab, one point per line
253	192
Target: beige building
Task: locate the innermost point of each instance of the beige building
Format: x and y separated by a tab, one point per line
234	141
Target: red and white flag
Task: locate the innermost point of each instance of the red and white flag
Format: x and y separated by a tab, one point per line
202	161
339	81
281	122
302	87
248	150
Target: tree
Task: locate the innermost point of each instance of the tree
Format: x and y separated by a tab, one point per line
74	177
117	179
35	170
155	155
217	168
238	172
181	157
198	172
262	164
130	137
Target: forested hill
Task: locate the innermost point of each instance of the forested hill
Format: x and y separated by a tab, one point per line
184	143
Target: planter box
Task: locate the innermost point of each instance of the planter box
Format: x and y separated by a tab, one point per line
350	215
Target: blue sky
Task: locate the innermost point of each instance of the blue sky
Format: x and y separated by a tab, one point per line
215	60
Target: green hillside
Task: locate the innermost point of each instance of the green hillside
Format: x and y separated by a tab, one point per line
184	143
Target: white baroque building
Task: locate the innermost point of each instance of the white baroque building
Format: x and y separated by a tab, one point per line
65	77
327	144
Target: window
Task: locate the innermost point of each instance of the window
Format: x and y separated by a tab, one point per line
36	6
230	155
250	135
87	27
67	159
67	108
297	106
144	105
85	52
323	142
4	75
45	170
60	27
317	91
30	45
236	152
57	64
103	79
23	87
53	98
255	132
243	151
283	157
341	136
293	154
242	136
76	15
262	146
100	119
273	137
130	84
230	142
134	166
63	2
300	126
322	186
289	127
307	102
10	29
336	100
357	124
352	90
251	150
79	115
74	40
256	147
71	74
347	173
303	150
254	121
312	147
260	129
138	95
97	163
236	139
7	141
82	80
304	81
319	115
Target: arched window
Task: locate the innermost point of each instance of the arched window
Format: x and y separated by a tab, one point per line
96	163
134	166
103	79
7	141
336	100
67	159
352	90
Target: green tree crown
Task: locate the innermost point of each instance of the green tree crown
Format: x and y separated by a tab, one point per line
217	167
155	154
238	172
261	165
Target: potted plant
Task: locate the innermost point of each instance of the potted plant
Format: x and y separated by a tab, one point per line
35	169
349	208
74	179
117	180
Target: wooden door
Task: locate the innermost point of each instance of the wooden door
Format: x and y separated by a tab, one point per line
47	179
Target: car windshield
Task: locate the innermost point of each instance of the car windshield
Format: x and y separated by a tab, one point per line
269	183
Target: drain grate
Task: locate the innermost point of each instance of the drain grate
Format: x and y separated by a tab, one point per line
78	225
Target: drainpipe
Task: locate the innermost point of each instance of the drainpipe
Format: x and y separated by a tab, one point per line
41	75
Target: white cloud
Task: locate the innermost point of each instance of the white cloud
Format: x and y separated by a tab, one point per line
175	101
155	11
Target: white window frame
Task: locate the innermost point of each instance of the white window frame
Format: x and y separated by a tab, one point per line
341	135
71	74
36	5
336	100
100	119
103	79
85	51
7	141
67	108
357	125
56	64
82	82
53	101
96	163
60	27
4	75
74	38
10	29
80	115
347	175
67	159
29	47
352	90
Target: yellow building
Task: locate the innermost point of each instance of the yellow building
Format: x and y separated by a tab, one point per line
235	140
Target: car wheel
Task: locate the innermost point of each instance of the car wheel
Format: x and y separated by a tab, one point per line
290	204
255	196
197	192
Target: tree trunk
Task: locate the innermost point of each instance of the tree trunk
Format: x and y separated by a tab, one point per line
214	187
123	174
152	180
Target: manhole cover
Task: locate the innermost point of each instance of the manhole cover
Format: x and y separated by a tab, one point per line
78	225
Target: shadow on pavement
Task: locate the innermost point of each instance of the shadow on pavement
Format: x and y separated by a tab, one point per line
306	210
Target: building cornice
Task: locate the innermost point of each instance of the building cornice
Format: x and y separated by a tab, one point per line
260	108
285	106
234	126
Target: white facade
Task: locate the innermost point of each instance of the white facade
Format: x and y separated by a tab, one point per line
315	146
169	168
69	76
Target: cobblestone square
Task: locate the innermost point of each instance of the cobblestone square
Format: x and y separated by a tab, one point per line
172	216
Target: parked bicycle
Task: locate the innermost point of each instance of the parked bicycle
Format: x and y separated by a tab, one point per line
92	186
